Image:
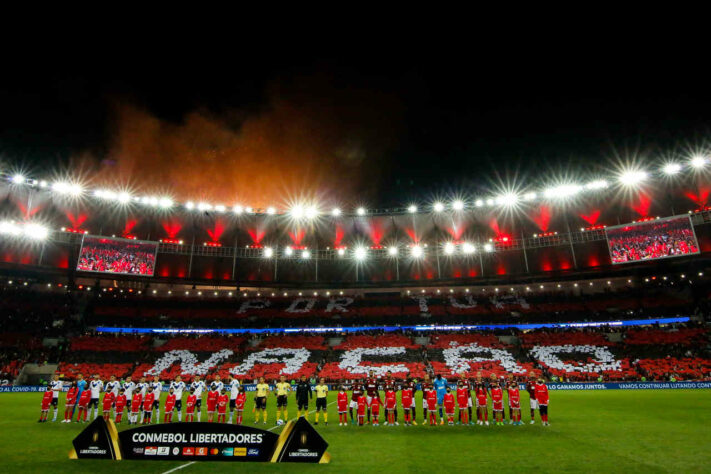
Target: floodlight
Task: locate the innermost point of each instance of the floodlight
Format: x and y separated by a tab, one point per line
297	212
468	248
237	209
412	209
220	208
288	251
189	205
416	251
360	211
458	205
632	177
449	248
305	254
697	162
438	207
271	211
597	184
18	179
360	253
488	248
165	203
478	203
268	252
36	231
336	212
392	251
671	169
341	252
529	196
311	212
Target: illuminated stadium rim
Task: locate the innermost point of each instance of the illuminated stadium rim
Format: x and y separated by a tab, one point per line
560	191
433	327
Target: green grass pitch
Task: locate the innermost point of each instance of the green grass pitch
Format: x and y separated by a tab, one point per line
603	431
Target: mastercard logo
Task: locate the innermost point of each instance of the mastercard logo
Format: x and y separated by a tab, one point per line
214	451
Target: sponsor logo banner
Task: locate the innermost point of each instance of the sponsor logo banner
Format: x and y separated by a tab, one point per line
629	386
298	442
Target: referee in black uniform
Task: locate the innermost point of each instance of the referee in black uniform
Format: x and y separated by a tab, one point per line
303	394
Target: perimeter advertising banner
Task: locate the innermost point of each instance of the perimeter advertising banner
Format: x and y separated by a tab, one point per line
298	442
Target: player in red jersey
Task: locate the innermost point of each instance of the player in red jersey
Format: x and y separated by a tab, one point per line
390	407
375	404
449	406
46	403
148	405
212	397
531	389
514	403
107	403
463	401
222	402
356	392
83	405
371	390
70	402
190	405
342	401
119	405
431	399
239	404
426	386
482	410
497	400
362	404
169	407
542	399
406	398
136	402
391	384
463	383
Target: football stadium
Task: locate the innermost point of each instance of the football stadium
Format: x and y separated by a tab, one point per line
203	290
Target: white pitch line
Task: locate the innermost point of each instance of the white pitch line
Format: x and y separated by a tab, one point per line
272	428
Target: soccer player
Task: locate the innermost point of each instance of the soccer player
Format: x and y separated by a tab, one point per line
129	386
198	386
362	404
426	386
260	400
83	405
542	400
508	384
342	400
371	389
95	386
136	402
410	384
46	403
449	406
464	402
142	386
157	389
178	386
303	394
482	410
464	385
56	386
222	402
282	393
390	407
212	397
233	386
407	399
497	401
148	405
531	389
190	405
321	403
514	403
70	402
431	398
120	404
440	386
169	406
375	409
113	386
81	386
218	383
390	384
356	392
108	402
239	404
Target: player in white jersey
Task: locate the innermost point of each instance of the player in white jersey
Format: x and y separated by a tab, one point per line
157	389
56	386
113	386
218	383
128	387
96	386
198	386
178	386
142	386
233	385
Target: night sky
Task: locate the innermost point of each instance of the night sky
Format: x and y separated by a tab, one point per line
393	124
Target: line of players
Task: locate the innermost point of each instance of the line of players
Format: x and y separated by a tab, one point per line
141	399
439	399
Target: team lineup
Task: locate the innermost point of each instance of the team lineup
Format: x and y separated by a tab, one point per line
442	401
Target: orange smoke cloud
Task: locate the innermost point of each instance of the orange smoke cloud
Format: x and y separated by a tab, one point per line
330	148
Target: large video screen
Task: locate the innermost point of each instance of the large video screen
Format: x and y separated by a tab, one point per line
113	255
651	240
